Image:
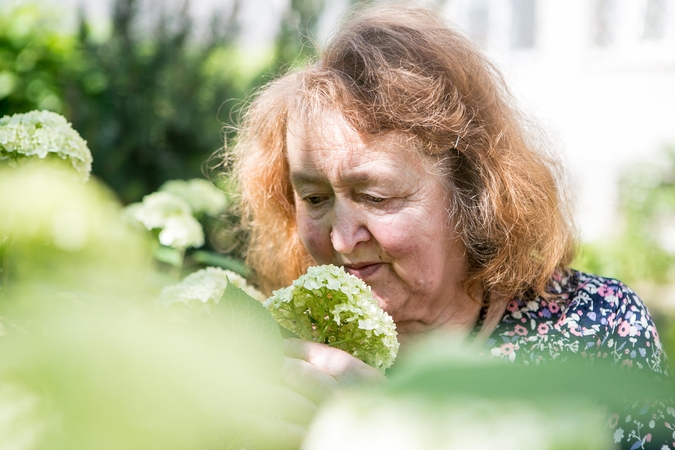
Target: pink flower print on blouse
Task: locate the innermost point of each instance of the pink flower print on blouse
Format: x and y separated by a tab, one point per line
520	330
624	329
507	348
512	306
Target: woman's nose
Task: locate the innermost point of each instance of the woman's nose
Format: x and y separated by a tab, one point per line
348	229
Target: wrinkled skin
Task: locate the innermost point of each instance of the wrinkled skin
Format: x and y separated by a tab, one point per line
371	205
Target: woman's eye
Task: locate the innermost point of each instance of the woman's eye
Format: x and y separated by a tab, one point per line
373	199
314	199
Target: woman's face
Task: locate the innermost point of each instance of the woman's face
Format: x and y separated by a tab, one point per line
370	206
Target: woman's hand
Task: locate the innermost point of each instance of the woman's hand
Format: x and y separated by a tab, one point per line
311	371
275	418
315	370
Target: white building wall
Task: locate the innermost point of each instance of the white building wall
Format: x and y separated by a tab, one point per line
607	107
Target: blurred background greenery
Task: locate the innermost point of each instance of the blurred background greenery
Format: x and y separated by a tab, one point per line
155	101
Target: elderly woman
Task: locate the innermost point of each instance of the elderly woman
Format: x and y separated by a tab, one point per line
399	156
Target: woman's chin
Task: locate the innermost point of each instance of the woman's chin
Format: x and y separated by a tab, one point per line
385	302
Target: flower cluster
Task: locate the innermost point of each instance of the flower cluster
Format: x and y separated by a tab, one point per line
170	214
204	288
43	134
330	306
202	196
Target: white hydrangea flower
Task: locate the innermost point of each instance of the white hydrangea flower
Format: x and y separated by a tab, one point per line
172	215
43	134
202	196
330	306
204	288
182	232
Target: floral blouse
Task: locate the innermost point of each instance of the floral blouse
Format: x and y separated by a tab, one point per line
601	318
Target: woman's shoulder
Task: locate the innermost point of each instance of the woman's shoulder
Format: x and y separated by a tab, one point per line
574	286
597	298
587	315
601	306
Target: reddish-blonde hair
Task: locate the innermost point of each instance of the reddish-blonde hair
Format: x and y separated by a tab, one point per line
396	68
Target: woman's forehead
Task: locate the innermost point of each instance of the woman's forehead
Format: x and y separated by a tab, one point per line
332	146
328	133
328	129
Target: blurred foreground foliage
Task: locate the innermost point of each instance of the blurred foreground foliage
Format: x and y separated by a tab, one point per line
90	359
442	396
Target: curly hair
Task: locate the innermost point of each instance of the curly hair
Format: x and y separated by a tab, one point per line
397	68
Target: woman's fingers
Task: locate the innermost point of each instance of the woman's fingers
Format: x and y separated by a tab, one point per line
334	362
275	417
307	379
283	403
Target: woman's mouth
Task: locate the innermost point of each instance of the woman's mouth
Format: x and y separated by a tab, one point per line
362	271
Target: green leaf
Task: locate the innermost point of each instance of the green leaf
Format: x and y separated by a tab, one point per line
253	333
225	262
440	378
169	255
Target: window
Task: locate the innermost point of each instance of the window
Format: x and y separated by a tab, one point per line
604	22
654	20
478	20
523	21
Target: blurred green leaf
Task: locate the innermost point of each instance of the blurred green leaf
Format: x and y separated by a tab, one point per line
442	378
169	255
223	261
254	334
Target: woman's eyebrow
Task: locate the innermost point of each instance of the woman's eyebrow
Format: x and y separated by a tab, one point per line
359	178
298	178
369	178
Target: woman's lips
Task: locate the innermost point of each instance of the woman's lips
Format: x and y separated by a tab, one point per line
362	271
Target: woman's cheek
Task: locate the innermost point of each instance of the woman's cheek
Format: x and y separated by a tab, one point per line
395	236
316	239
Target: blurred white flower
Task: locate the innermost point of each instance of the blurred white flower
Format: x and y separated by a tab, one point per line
366	420
330	306
182	232
157	208
204	288
43	134
202	196
170	214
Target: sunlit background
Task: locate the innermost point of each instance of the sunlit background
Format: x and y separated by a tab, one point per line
153	86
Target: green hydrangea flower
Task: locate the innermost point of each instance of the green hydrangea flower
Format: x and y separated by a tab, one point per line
204	288
202	196
330	306
170	214
43	134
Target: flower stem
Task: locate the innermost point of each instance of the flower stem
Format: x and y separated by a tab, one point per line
322	336
333	344
177	269
299	321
